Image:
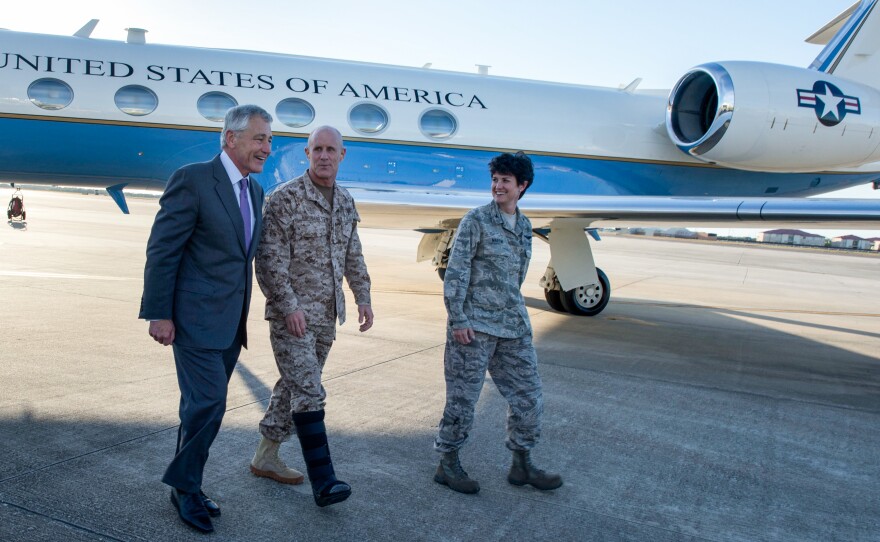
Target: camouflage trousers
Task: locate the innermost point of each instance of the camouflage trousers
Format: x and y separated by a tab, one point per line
300	362
513	365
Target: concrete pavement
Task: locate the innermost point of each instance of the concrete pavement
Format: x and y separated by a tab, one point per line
727	393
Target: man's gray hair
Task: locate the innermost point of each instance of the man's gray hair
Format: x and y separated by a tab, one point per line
238	118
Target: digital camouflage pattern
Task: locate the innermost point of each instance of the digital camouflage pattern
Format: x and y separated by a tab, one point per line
300	362
305	250
486	269
513	365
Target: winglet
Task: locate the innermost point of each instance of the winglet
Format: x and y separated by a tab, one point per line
87	29
115	192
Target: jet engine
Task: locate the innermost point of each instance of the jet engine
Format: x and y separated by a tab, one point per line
768	117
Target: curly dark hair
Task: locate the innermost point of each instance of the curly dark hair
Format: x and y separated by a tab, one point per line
519	165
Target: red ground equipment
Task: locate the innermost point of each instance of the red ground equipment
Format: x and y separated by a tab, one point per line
16	211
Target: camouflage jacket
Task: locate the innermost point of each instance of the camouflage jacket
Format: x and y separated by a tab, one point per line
486	269
305	250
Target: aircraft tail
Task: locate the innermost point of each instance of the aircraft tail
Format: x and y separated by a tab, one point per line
852	43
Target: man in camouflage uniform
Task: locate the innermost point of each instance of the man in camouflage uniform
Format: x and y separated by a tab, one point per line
309	243
489	328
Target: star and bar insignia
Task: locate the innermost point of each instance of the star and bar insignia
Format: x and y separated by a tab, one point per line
829	102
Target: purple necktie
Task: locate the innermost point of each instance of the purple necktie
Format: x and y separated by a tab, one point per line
245	212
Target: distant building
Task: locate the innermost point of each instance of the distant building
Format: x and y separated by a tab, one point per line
852	241
791	237
876	241
678	233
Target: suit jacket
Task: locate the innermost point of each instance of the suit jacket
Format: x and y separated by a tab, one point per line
198	273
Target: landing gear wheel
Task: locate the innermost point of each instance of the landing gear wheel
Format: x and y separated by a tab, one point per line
588	300
554	299
441	271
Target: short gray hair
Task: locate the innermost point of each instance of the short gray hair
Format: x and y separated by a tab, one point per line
238	118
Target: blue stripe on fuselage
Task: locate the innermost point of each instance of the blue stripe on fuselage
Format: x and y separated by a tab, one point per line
97	154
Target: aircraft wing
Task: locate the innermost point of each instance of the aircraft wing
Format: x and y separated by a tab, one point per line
441	209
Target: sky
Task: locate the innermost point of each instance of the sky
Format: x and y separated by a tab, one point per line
584	42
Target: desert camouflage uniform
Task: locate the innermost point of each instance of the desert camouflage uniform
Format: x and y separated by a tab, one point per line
305	250
486	269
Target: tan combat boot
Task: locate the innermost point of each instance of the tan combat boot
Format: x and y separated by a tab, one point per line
522	472
450	473
267	464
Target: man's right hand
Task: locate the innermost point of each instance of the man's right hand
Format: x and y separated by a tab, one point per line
162	331
296	323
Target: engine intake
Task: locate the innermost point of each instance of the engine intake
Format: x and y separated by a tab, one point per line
767	117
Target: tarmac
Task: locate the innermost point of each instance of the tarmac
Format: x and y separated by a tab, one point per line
727	393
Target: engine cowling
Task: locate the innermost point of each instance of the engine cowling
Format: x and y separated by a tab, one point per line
768	117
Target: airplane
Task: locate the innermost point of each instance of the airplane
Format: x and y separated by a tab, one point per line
733	143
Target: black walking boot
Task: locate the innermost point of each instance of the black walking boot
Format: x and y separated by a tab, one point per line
313	439
449	473
522	472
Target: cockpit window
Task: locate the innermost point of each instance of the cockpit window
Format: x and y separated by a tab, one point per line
50	93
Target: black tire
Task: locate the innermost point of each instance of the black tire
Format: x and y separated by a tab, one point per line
23	215
588	301
441	271
554	299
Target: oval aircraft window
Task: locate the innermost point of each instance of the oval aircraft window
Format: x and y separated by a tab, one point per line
50	93
214	105
437	124
294	112
368	118
136	100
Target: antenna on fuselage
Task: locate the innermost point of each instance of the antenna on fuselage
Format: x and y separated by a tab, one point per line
630	88
136	35
482	69
86	30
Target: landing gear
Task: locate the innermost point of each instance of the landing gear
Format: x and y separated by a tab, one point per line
586	300
571	263
554	299
436	246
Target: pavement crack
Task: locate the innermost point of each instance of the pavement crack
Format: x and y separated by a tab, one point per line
80	528
86	454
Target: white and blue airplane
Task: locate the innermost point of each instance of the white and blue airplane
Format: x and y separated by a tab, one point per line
733	143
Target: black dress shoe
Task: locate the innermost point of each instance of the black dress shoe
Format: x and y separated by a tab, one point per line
192	510
210	506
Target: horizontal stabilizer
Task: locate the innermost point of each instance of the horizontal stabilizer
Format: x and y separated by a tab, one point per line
824	34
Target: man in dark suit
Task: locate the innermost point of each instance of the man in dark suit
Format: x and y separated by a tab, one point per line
197	290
